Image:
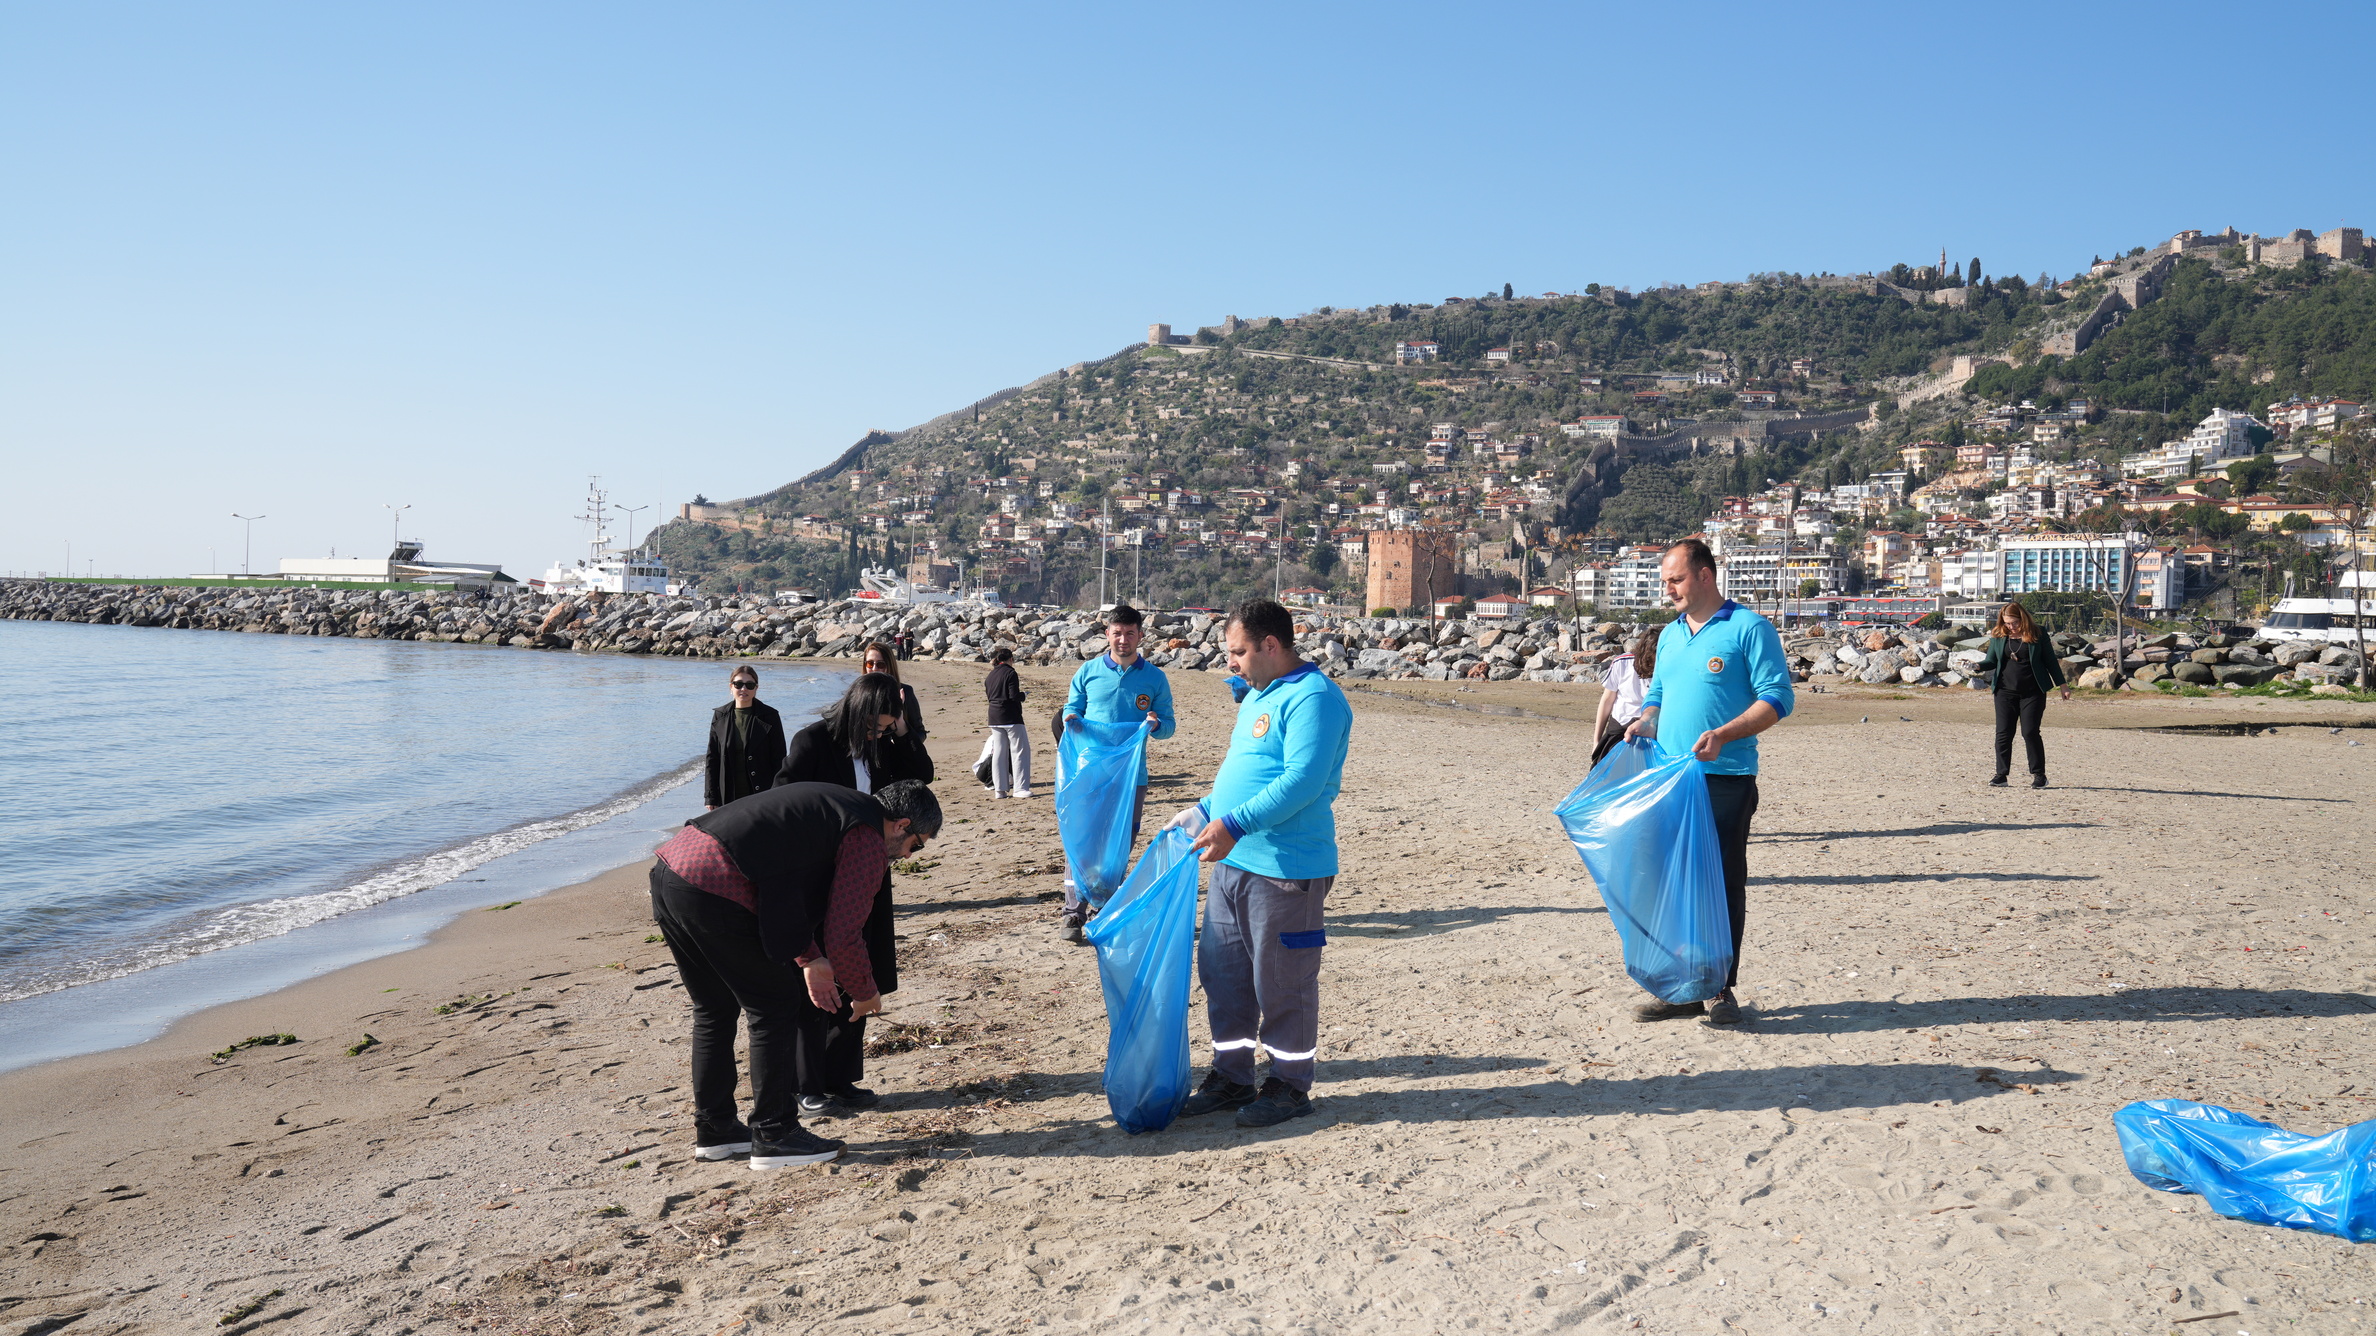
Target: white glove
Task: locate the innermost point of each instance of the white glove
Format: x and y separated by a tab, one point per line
1191	819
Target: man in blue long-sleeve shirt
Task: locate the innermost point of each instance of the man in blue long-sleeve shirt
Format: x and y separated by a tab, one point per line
1270	827
1721	680
1116	686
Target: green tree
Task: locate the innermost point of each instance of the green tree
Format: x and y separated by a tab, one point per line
2296	523
1506	292
2247	476
1810	588
1975	278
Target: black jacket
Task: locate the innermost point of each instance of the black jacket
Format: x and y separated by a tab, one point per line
785	841
2046	670
1006	693
763	754
814	758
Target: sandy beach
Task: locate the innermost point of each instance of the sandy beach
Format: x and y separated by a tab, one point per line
1950	988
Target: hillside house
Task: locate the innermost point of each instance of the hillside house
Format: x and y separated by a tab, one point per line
1414	351
1501	606
1497	354
1758	398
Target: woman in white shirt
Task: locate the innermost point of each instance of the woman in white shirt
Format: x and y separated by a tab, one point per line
1623	684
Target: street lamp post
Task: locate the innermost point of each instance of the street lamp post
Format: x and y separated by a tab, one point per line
247	544
395	523
629	512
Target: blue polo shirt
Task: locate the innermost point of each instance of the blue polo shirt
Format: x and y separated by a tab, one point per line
1105	690
1705	678
1277	788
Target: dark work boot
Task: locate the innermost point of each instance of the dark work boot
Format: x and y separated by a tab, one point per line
1217	1093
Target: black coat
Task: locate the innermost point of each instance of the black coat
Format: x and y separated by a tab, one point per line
785	841
813	757
2046	670
1006	693
763	754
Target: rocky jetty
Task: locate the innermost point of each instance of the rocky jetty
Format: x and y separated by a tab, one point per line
1545	649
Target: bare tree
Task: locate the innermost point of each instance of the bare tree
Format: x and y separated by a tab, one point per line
2347	488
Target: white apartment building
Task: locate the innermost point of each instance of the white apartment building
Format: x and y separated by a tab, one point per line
2217	439
2078	561
1632	581
1973	576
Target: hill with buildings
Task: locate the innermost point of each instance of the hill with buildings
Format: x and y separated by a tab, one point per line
1522	438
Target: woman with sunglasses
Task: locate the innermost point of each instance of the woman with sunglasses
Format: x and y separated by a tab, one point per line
909	734
746	743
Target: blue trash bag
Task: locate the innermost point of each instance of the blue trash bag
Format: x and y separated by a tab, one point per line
1097	766
1642	827
1146	942
2256	1171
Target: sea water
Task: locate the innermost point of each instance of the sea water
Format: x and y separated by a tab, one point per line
192	817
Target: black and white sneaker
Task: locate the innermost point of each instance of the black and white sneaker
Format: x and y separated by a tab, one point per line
798	1146
1278	1102
820	1106
1217	1093
721	1143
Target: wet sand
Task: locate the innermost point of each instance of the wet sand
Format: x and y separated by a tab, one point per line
1950	989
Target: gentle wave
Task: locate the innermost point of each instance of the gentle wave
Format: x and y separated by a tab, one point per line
241	924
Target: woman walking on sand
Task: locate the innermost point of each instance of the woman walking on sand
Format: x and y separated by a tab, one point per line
1622	684
2025	667
1010	737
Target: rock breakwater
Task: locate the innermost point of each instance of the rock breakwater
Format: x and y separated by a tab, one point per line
1544	649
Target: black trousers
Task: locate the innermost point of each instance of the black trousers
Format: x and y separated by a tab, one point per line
1732	801
2026	710
728	976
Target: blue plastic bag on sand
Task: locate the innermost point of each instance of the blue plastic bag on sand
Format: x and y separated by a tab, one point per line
1642	827
1146	941
1097	765
2252	1170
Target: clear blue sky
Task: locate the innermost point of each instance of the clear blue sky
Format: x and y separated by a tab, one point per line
310	259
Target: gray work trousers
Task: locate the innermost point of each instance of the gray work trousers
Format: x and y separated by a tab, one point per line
1258	958
1010	759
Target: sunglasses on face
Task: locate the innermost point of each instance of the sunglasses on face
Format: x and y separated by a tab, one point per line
746	686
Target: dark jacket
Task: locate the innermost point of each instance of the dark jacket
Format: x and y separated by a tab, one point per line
915	761
763	754
1005	690
2046	670
785	840
814	758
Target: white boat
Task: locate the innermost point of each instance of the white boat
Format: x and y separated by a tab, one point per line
881	584
607	569
2325	620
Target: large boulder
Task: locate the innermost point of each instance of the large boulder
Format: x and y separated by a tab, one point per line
2243	674
1880	668
2192	673
2150	673
2212	655
2293	652
1911	676
2097	679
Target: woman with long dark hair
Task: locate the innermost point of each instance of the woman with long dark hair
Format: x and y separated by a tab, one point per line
2025	668
855	746
908	736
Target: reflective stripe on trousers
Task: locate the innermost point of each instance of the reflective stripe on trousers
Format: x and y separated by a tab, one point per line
1258	958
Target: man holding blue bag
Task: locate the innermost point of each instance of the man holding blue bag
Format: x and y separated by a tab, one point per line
1115	686
1721	680
1269	827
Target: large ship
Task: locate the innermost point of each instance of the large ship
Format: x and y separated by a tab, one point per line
607	569
2328	620
881	584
